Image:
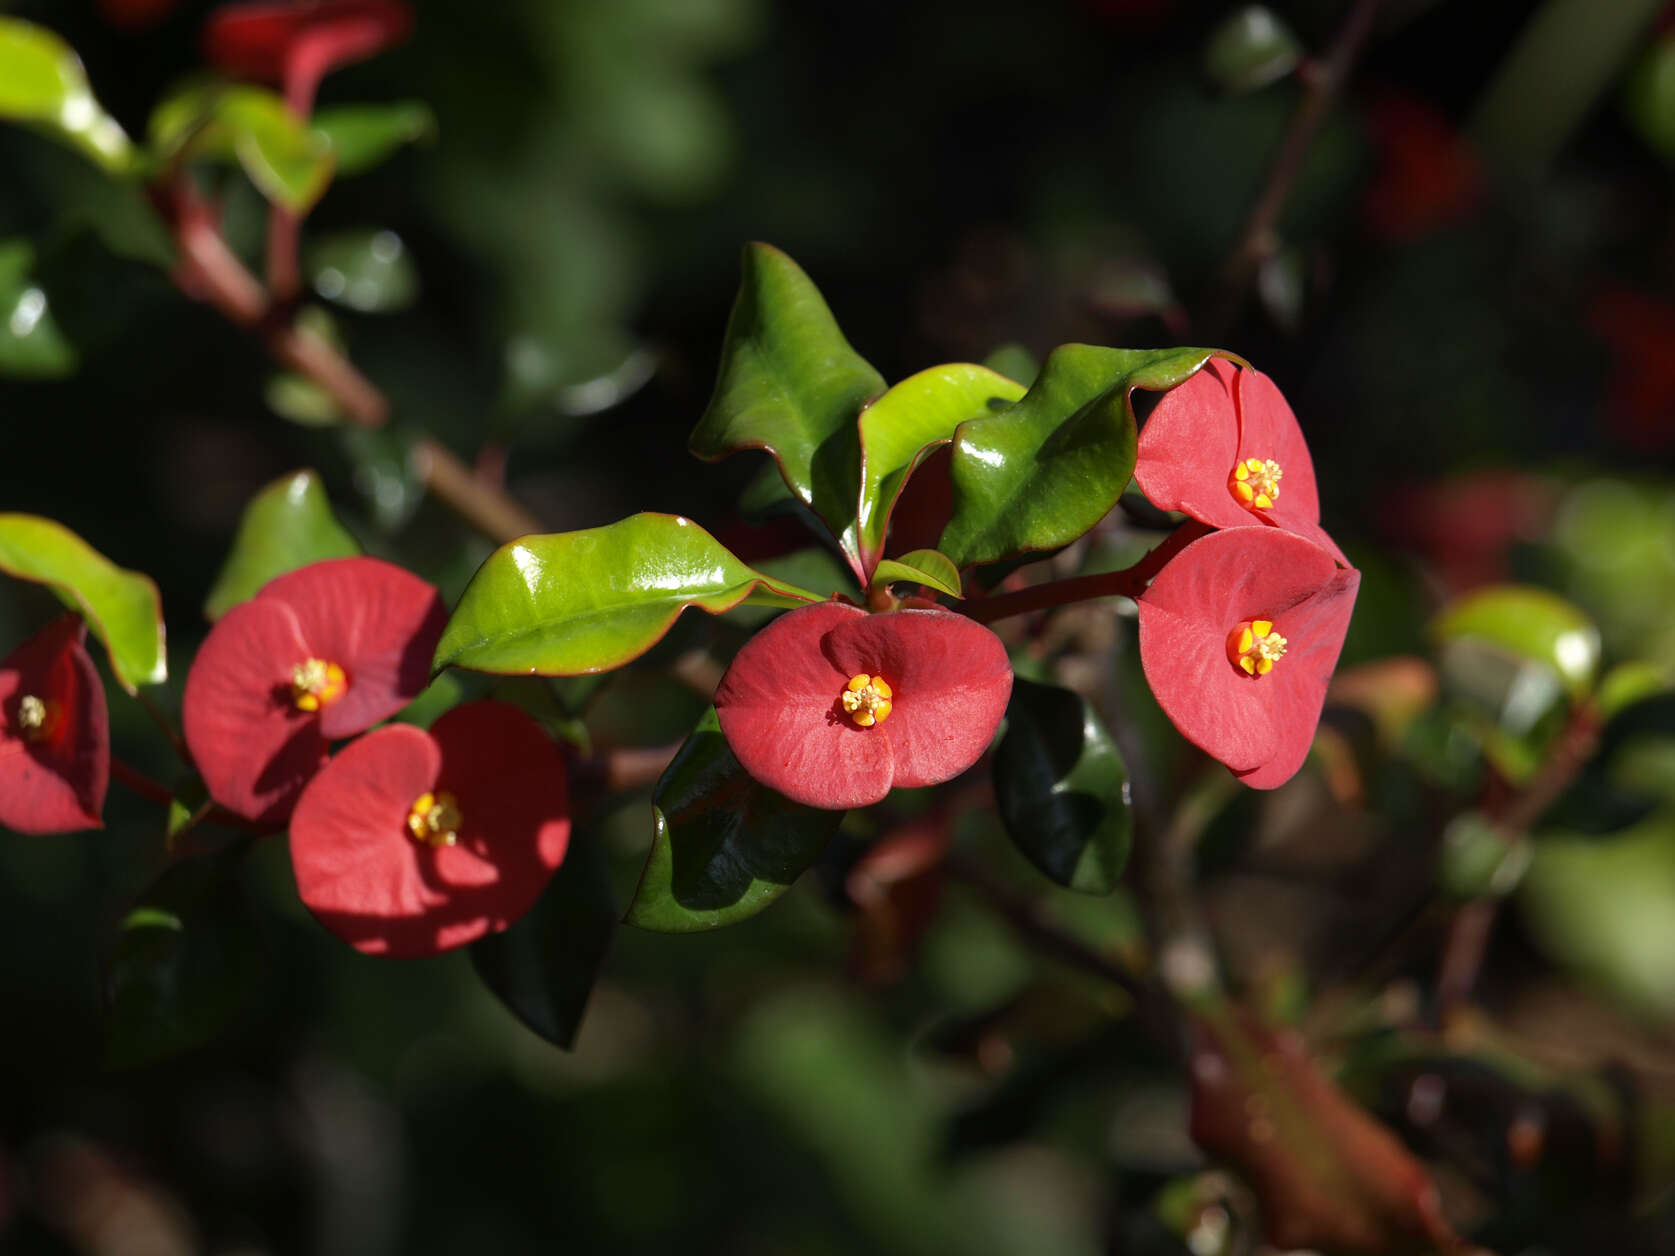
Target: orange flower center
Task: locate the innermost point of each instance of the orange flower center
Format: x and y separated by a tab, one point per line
435	819
867	699
316	683
1256	482
1254	647
38	718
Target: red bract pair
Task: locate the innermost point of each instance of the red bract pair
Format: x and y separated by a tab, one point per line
54	734
412	842
1238	637
320	654
1225	448
834	707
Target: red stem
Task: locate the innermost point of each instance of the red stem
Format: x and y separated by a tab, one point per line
140	783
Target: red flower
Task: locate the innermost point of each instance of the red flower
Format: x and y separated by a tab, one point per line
833	707
322	653
1238	636
410	843
54	733
1225	448
298	44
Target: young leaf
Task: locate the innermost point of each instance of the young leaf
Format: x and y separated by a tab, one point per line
186	963
543	968
287	525
926	567
723	846
1530	624
588	601
121	607
790	384
42	83
902	427
1062	788
289	164
362	136
1043	471
31	343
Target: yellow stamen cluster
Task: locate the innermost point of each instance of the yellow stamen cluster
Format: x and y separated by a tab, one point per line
315	683
1254	647
1256	482
867	699
435	819
36	718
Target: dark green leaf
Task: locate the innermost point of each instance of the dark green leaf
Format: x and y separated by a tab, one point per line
186	963
723	846
42	83
289	164
1042	472
121	607
927	567
1250	48
31	343
1529	624
287	525
1015	362
589	601
1062	788
790	384
384	473
1479	860
902	427
544	966
369	271
362	136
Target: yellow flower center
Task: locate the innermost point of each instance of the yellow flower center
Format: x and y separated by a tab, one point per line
1254	647
37	719
435	819
867	699
316	683
1256	482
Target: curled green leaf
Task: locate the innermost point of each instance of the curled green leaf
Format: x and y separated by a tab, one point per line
926	567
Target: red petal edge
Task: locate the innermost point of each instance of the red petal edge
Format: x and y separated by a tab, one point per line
57	785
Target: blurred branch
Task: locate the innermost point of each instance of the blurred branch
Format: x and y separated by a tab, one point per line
1130	582
1260	238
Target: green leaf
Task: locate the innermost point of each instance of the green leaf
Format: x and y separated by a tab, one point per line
185	964
360	137
1529	624
1249	49
927	567
723	846
31	343
289	164
42	83
1043	471
300	400
1628	684
543	968
588	601
369	271
1062	788
121	607
1648	97
1478	860
901	428
287	525
1015	362
790	384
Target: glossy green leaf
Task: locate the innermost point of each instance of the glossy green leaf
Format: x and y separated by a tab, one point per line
1527	623
362	136
902	427
790	384
1042	472
1062	788
723	846
588	601
187	961
287	525
121	607
927	567
544	966
31	343
289	164
369	271
42	83
1250	48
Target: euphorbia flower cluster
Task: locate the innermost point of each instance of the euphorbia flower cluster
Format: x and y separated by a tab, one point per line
833	707
54	733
